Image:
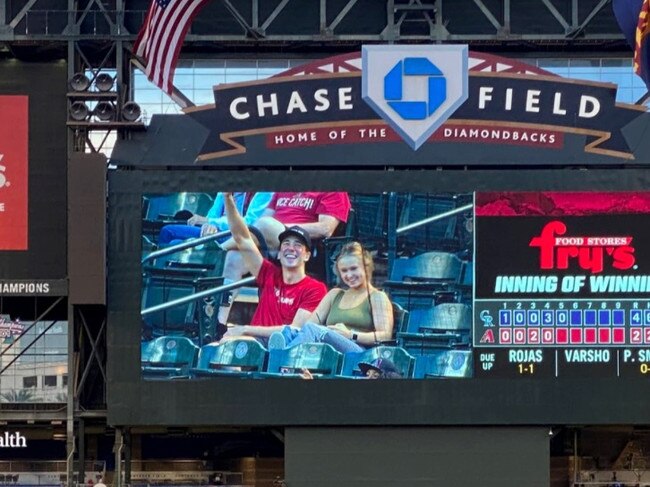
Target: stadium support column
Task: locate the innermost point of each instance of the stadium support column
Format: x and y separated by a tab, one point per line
81	455
70	439
127	456
117	450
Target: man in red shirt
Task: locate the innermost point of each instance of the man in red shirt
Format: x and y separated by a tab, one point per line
288	295
319	213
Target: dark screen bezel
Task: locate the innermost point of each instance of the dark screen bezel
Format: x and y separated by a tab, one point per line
227	401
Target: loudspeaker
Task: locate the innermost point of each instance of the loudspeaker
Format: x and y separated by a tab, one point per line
104	111
131	112
79	111
104	82
79	82
87	228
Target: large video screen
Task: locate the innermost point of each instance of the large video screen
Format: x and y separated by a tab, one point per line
474	297
378	286
387	285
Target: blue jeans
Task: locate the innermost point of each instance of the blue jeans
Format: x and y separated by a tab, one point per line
175	234
314	333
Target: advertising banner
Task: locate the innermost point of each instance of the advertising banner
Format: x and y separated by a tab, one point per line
13	172
428	105
562	283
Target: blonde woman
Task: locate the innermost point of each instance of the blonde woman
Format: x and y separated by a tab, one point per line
351	318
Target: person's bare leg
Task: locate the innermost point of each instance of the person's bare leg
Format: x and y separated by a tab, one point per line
233	270
228	245
270	229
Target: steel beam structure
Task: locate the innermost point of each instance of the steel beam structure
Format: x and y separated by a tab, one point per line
97	35
259	23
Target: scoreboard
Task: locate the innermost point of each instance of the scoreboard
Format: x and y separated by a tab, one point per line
543	295
562	284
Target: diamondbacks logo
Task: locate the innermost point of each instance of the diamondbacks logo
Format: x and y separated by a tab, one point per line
415	88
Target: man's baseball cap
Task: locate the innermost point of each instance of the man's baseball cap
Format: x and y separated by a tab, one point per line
299	232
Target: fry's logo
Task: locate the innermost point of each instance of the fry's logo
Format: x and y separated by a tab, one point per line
590	253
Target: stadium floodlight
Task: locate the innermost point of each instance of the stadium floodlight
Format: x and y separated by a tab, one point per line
78	111
131	112
79	82
104	82
104	111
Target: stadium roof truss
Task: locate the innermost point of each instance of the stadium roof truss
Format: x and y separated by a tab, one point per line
257	23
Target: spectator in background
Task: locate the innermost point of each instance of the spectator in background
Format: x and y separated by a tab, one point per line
380	368
251	205
319	214
287	294
350	320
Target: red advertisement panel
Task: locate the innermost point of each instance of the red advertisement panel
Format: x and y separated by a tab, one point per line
13	172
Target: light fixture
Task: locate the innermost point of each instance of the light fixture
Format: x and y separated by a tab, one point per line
78	111
104	82
79	82
131	112
104	111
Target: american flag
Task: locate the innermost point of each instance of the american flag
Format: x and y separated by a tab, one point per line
633	17
161	37
640	42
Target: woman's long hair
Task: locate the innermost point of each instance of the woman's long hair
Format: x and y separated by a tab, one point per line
355	249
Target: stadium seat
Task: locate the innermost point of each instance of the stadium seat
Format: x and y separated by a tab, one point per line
319	358
444	363
428	267
424	280
436	235
446	325
231	358
324	251
164	285
400	318
400	321
196	319
400	357
169	356
370	216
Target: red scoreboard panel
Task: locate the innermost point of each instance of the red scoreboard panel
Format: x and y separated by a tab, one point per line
13	172
561	284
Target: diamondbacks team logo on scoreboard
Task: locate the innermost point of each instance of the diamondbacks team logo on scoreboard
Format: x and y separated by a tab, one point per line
414	88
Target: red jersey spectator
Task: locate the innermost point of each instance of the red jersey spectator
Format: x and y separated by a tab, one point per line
279	301
319	213
307	207
288	295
